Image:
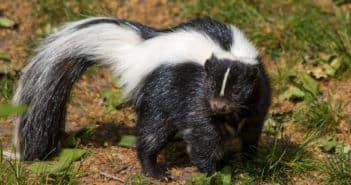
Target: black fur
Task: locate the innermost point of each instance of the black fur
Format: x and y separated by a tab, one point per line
179	98
217	31
146	32
175	98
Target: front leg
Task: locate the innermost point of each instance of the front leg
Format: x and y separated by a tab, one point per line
152	138
249	133
204	147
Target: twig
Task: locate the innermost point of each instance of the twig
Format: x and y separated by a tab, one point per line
121	169
111	177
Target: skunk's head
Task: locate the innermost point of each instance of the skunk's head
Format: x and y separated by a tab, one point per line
232	84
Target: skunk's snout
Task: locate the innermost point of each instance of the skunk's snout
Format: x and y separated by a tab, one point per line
220	105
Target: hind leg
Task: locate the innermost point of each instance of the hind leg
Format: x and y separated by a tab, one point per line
152	137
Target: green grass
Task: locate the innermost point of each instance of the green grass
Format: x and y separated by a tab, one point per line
279	161
17	172
320	116
137	179
198	180
7	86
11	172
338	169
57	11
292	30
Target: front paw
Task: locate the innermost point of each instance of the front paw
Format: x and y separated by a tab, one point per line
208	170
160	175
155	172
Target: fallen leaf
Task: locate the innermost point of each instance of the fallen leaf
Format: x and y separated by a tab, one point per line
5	68
327	67
8	109
292	93
7	22
343	149
270	125
336	64
113	98
328	144
326	56
319	73
5	57
307	82
127	141
132	116
61	163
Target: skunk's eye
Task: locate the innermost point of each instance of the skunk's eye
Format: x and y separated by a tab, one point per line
235	91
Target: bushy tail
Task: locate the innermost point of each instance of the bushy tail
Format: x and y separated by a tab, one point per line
60	60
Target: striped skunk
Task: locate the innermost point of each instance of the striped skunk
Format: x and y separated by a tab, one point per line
207	104
191	78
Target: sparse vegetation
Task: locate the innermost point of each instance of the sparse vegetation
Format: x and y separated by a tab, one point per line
320	116
137	179
58	12
279	161
338	169
306	46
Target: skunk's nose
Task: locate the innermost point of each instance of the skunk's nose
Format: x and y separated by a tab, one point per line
220	105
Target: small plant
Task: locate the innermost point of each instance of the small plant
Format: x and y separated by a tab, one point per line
11	171
281	159
224	177
137	179
112	98
288	40
58	11
7	85
338	169
278	161
319	115
198	180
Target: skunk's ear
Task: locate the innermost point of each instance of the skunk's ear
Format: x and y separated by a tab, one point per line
210	63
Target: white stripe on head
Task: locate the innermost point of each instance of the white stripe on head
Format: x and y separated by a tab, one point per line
224	82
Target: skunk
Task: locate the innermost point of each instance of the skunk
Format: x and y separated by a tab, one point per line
207	104
186	78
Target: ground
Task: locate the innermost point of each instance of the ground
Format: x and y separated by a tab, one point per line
87	106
